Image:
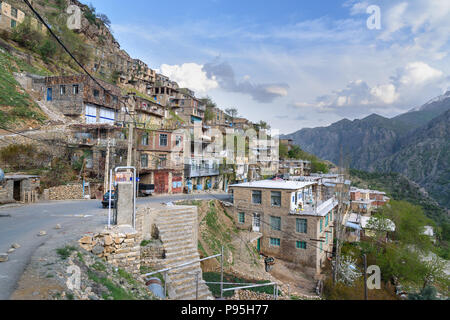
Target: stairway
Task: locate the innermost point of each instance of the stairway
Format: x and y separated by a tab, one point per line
178	227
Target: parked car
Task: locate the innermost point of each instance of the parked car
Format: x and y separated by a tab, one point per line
146	190
105	201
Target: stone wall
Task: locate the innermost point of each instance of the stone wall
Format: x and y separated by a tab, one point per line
152	255
119	246
68	192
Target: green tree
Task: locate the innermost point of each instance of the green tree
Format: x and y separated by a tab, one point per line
284	153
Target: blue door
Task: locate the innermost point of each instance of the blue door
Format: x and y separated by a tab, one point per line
49	94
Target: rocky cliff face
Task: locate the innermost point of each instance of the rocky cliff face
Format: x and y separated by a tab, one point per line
415	144
424	156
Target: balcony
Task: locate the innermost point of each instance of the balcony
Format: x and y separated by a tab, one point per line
201	171
309	209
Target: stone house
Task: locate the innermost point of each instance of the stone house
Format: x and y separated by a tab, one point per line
81	99
20	188
295	168
11	17
89	142
294	222
161	160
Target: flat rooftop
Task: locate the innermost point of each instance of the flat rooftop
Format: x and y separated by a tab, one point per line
275	184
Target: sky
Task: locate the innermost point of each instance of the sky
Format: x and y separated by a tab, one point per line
294	63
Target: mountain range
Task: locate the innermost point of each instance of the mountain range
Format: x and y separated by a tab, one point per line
415	144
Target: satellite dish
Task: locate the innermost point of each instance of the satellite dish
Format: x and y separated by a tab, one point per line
2	175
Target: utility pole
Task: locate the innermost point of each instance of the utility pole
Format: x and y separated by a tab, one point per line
131	130
366	294
105	183
342	211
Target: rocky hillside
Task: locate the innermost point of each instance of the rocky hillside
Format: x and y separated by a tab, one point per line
414	144
424	156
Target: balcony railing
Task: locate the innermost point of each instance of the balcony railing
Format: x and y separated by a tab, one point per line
201	171
323	207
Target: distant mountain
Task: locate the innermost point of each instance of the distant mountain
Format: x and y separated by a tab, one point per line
424	156
422	115
415	144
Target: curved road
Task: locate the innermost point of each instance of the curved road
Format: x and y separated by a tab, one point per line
22	224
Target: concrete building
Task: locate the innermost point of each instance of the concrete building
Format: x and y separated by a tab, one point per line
295	223
161	160
295	168
365	201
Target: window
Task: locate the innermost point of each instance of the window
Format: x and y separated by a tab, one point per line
275	242
302	226
13	12
62	90
275	222
326	220
163	140
301	245
256	197
13	23
241	218
276	198
144	160
96	93
144	140
321	225
75	89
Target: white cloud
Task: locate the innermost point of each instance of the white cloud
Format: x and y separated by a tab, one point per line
386	93
418	73
190	75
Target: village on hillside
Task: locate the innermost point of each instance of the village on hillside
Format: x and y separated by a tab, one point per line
173	190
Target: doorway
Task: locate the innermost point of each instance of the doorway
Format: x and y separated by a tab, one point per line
16	191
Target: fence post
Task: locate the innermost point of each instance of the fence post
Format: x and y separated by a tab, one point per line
221	274
165	283
196	285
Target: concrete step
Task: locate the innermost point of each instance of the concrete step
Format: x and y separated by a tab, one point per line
180	251
177	260
203	292
188	285
176	223
177	213
170	239
186	269
175	247
168	230
181	272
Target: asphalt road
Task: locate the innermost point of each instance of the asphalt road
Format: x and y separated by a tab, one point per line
22	224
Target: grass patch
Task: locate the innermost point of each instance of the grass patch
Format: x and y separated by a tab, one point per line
65	252
128	277
116	292
145	243
215	288
99	266
16	103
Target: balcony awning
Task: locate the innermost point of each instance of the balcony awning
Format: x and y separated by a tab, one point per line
353	226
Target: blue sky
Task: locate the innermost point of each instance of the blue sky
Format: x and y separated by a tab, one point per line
294	64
